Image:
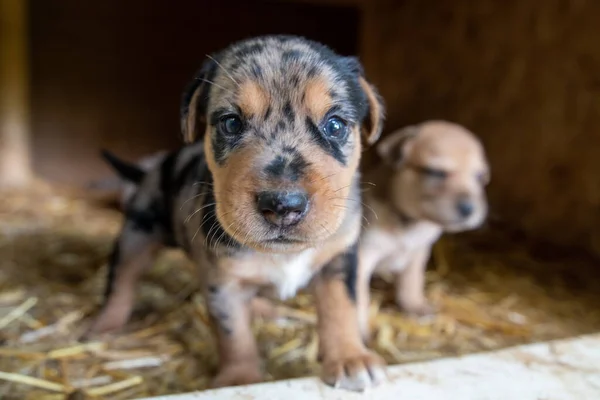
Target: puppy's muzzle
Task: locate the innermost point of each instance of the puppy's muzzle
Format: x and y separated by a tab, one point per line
282	209
465	208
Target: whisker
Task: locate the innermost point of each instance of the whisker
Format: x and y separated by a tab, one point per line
248	232
346	208
343	187
194	197
341	198
205	219
217	85
206	192
356	200
202	182
251	232
199	227
221	236
214	225
370	209
323	178
360	183
197	211
224	70
190	199
231	237
325	228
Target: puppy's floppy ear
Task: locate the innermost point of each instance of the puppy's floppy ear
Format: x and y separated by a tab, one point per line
194	102
393	148
373	124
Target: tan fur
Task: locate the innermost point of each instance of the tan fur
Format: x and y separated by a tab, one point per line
409	210
375	115
317	98
328	185
347	362
253	99
190	125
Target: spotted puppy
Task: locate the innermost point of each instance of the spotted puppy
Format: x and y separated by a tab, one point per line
431	180
266	195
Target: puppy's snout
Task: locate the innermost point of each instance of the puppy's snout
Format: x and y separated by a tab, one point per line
465	208
282	208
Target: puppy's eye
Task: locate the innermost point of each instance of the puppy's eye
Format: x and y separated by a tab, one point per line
434	173
335	128
231	125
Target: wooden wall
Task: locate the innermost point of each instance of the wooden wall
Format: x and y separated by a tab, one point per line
525	76
110	73
15	157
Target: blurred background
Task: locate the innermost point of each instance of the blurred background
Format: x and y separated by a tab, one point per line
76	76
522	75
111	74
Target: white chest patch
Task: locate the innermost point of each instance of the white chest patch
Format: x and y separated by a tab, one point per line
422	234
293	274
393	250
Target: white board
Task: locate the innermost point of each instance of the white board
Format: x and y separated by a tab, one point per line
560	370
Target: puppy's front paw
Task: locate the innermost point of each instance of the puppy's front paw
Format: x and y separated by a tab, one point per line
108	321
356	372
237	374
420	309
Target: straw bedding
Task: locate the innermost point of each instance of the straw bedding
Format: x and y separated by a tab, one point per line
491	289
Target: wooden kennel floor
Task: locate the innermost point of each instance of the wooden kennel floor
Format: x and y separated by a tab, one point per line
491	290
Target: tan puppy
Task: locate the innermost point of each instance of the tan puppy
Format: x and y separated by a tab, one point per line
431	181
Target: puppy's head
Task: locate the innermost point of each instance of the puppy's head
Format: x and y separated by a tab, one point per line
440	174
281	118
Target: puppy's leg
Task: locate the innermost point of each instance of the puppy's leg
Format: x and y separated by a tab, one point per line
347	363
239	363
367	262
263	308
410	286
132	253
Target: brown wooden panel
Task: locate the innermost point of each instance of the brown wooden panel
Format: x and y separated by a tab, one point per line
109	73
525	76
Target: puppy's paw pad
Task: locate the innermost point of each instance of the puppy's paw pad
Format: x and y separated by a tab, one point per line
237	375
356	373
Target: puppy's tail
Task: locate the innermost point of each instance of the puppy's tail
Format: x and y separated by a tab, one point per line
128	171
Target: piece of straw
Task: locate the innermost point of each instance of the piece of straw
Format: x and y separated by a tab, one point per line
76	350
114	387
31	381
17	312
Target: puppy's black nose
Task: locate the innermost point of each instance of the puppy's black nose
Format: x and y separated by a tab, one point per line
465	208
282	208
